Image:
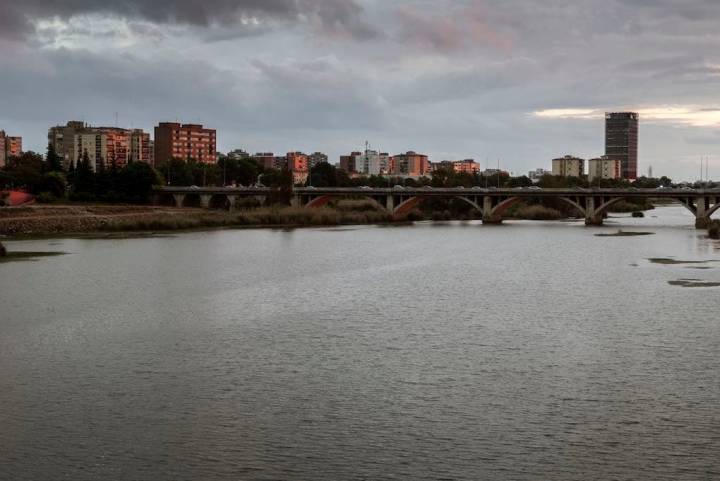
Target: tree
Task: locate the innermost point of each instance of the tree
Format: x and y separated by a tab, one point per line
522	181
54	183
136	181
52	159
442	177
323	175
24	171
84	178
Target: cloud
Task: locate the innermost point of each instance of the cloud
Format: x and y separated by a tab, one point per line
338	17
451	30
691	115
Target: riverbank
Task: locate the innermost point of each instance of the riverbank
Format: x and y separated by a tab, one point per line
40	220
87	219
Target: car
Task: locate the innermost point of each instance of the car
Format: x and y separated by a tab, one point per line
534	187
398	186
194	187
366	187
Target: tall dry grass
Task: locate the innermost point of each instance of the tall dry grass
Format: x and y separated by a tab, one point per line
265	217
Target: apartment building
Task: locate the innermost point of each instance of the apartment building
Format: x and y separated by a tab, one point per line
604	168
186	142
9	147
568	166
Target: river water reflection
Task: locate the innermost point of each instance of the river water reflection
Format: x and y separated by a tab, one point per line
432	351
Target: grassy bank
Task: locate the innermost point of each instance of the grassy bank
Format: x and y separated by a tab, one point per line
84	219
262	217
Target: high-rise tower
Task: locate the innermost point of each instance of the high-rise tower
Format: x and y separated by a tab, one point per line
621	141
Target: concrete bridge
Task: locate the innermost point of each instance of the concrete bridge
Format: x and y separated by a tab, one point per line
491	203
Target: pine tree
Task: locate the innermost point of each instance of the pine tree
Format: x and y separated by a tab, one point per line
84	178
53	160
71	173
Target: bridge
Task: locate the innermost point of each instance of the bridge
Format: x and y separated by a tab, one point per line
491	203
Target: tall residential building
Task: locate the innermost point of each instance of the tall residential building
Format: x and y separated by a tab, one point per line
410	164
347	162
317	158
186	142
604	168
9	147
141	146
297	163
62	138
105	146
621	141
372	162
568	166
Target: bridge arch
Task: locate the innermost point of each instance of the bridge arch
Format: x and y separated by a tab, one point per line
604	207
688	204
323	200
475	205
713	209
504	205
406	206
574	204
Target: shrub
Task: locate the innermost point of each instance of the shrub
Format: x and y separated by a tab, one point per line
537	212
45	198
714	229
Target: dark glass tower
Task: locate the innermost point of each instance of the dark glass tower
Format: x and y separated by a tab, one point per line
621	141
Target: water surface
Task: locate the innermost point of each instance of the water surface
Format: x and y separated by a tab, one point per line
434	351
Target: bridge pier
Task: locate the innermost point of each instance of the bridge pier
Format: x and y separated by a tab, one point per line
179	199
232	200
390	203
594	220
489	217
702	220
592	216
205	201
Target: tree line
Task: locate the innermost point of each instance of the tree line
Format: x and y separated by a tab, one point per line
49	180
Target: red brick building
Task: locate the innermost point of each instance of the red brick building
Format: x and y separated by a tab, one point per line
410	164
186	142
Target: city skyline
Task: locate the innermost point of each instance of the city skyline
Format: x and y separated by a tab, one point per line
516	82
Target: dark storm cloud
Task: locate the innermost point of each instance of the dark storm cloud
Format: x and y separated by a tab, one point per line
452	78
330	16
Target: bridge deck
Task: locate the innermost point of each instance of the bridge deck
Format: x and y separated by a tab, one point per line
444	192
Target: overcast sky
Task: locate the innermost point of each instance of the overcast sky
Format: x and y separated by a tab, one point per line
521	81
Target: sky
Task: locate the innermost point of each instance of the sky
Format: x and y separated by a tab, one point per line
509	82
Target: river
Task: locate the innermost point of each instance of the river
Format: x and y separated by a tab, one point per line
453	351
